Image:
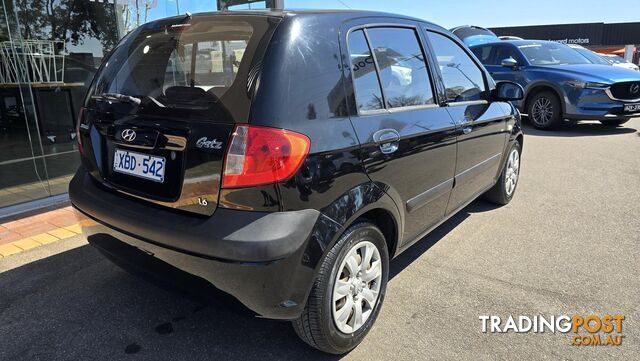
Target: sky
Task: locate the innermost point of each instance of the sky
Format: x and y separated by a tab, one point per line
447	13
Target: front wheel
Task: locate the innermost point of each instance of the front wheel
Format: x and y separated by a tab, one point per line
348	291
545	110
503	191
614	122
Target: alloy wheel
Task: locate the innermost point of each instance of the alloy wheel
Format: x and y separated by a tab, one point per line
513	169
357	286
542	111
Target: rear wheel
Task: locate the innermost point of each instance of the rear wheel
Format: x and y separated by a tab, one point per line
503	191
614	122
545	111
348	291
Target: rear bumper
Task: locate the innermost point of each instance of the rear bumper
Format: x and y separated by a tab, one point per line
259	258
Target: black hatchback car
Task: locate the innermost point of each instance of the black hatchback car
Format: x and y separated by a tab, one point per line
286	157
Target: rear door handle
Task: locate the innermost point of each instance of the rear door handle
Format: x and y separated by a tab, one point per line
467	129
387	139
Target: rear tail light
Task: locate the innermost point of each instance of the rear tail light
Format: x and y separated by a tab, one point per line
261	155
79	122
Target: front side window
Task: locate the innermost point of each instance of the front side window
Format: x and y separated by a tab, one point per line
365	79
403	70
483	53
505	52
463	79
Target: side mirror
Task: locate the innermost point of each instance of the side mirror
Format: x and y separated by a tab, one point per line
508	91
509	63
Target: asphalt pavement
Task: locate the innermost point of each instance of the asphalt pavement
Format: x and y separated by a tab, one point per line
569	243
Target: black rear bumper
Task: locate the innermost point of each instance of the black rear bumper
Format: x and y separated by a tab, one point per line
259	258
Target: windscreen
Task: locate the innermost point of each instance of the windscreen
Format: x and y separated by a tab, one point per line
192	65
615	59
591	56
552	54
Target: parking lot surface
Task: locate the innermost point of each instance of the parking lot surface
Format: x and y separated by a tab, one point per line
569	243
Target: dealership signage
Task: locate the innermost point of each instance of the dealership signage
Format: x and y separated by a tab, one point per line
579	41
588	34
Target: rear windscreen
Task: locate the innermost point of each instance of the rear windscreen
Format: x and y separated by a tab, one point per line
190	65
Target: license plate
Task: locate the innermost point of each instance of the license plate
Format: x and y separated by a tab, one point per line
632	108
139	165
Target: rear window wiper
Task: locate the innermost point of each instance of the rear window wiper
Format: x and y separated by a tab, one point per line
122	98
116	97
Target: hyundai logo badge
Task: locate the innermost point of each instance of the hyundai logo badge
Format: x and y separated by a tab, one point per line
129	135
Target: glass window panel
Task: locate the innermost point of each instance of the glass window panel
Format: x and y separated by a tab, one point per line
403	70
463	79
367	87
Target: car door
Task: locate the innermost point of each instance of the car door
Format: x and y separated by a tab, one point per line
482	124
407	139
501	73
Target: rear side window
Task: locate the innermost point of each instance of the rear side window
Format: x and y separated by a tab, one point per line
463	79
367	87
403	70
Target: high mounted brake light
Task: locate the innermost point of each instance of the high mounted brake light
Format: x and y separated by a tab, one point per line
262	155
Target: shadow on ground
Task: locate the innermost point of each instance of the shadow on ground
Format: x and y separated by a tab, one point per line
78	305
583	129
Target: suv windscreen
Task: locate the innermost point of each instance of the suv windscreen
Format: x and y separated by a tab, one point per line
551	54
591	56
167	66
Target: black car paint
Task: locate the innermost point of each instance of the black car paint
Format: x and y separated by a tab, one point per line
305	85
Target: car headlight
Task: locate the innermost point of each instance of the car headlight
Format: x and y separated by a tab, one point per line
578	84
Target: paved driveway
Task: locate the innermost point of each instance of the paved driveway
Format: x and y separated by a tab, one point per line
568	243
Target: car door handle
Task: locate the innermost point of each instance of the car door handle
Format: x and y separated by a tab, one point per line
387	139
467	129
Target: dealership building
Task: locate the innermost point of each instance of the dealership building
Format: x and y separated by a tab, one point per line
50	50
616	38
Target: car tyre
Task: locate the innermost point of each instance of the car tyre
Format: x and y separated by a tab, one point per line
614	122
321	323
502	192
545	110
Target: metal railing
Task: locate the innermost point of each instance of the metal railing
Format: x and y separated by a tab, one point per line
33	61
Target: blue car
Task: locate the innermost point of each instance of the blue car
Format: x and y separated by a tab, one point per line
559	82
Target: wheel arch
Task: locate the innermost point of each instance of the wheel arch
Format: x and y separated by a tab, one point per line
386	222
368	201
541	86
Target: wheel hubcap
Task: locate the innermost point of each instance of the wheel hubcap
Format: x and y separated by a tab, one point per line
542	111
357	285
513	168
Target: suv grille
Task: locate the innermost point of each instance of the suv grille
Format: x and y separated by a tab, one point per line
627	90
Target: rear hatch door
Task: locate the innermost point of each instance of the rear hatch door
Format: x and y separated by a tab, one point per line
160	112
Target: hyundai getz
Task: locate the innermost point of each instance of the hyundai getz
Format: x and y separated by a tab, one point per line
286	157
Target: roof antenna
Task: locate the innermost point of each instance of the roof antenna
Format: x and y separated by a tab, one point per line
187	15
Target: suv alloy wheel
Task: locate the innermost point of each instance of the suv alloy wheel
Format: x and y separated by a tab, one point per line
544	110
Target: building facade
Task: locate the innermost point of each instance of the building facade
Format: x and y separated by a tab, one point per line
619	38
